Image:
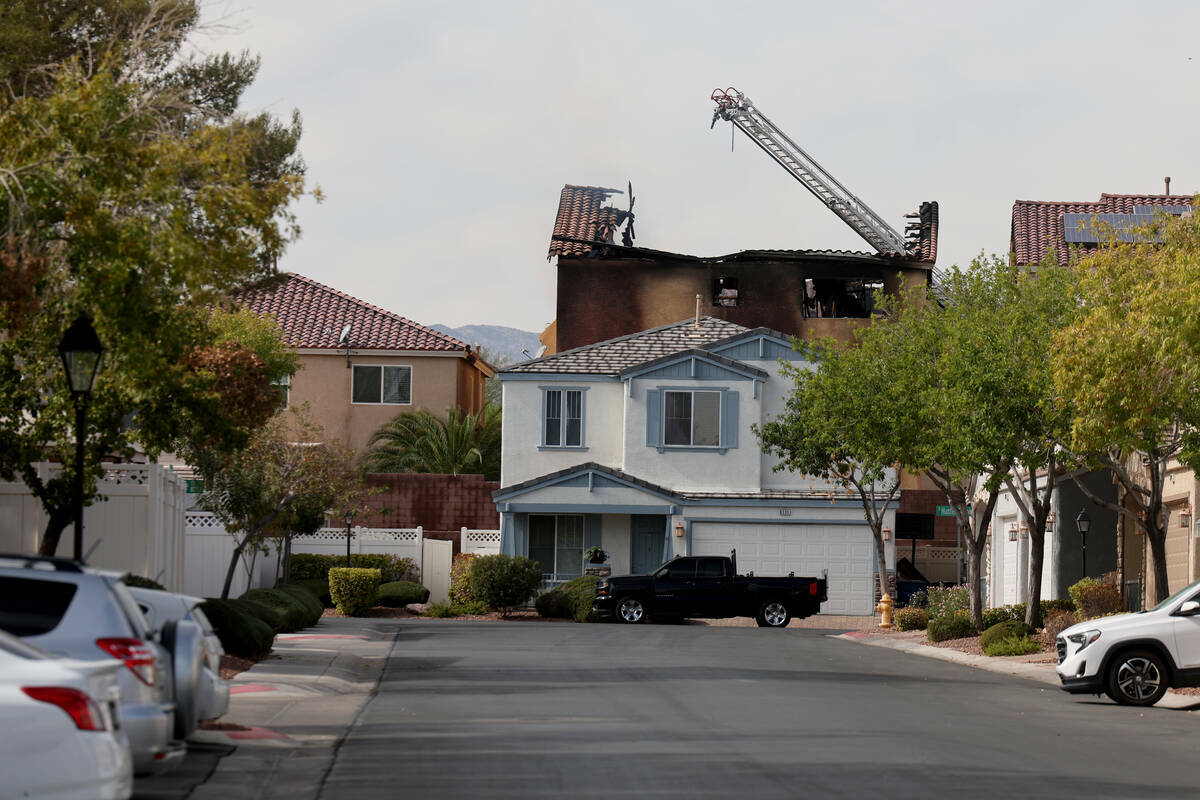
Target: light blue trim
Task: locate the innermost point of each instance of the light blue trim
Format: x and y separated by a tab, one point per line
562	422
662	447
586	508
557	376
508	544
521	525
560	449
668	549
602	476
718	371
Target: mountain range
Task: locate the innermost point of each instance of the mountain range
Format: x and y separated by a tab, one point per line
501	345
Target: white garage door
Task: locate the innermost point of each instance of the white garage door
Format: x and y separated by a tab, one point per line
847	551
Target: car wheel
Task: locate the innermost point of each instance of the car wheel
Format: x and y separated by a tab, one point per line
1136	678
631	610
773	614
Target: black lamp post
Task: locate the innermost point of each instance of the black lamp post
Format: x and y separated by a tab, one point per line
1082	523
81	354
349	517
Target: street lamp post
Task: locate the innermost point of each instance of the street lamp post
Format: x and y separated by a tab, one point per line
349	517
81	353
1082	523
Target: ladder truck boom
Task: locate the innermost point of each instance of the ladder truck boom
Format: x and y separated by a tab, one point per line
738	109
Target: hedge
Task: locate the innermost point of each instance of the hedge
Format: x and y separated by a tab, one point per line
241	634
571	600
1012	646
296	613
503	582
305	566
398	594
353	589
956	625
460	578
269	615
911	619
1009	628
312	605
316	587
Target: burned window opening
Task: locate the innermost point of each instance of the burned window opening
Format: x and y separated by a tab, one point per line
828	298
725	292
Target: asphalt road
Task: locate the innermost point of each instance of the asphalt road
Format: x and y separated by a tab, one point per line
563	710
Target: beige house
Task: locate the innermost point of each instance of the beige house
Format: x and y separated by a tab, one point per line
360	365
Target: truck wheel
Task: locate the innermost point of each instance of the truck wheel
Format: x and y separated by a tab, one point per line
631	610
1136	678
773	614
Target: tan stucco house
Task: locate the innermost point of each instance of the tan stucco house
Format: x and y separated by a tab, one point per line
360	365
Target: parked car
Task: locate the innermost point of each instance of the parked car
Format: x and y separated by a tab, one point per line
1135	658
708	586
63	737
165	609
76	612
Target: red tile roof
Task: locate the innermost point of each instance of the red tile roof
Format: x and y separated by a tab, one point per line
581	215
313	315
1038	225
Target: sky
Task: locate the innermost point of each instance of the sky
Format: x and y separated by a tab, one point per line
441	133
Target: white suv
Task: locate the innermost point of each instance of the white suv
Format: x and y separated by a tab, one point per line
1135	658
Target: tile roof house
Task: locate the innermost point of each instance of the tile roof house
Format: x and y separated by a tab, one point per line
644	445
361	365
1037	225
607	289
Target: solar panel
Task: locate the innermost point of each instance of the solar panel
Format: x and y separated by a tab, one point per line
1175	209
1078	229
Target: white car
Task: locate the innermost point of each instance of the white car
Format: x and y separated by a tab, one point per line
62	726
161	608
1135	658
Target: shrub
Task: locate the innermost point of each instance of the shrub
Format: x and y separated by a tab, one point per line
460	578
306	566
918	599
1077	588
994	616
504	582
297	613
398	594
955	625
911	619
1013	645
317	587
1057	606
1009	628
353	589
314	607
944	600
268	615
142	583
571	600
1058	622
241	634
456	609
1099	600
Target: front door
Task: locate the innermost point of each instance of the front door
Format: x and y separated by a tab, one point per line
646	542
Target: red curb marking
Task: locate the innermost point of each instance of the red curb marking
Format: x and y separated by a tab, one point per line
297	637
256	733
856	634
252	687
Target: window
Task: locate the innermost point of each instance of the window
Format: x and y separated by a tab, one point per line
711	568
562	417
693	419
284	387
380	384
556	543
30	607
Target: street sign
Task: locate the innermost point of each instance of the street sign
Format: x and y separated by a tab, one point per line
948	511
195	486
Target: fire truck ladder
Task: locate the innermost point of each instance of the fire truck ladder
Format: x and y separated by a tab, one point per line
738	109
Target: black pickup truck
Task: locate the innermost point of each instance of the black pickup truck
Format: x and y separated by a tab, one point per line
708	586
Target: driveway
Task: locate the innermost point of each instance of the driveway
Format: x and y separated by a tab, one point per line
533	710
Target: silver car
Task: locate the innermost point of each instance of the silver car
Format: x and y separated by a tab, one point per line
72	611
211	691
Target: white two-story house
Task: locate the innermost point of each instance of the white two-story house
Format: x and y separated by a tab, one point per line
643	445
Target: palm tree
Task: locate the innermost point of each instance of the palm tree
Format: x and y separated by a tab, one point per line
423	442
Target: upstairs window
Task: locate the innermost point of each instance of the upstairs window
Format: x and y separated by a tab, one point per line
562	417
283	387
382	384
693	419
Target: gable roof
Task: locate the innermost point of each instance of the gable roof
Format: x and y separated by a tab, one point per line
614	356
1038	225
312	315
581	215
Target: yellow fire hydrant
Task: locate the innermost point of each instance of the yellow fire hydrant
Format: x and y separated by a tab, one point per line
885	610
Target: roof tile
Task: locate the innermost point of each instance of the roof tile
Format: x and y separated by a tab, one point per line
581	216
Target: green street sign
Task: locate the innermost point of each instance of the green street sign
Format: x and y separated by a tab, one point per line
195	486
948	511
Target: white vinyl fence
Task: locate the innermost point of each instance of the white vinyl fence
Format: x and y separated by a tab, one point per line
136	526
480	542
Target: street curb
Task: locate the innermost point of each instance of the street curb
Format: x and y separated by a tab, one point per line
1043	673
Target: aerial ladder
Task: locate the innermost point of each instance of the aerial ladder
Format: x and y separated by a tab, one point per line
738	109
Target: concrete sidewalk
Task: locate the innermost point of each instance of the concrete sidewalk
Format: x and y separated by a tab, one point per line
1041	672
296	706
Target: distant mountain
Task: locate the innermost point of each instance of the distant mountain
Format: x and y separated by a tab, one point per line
501	343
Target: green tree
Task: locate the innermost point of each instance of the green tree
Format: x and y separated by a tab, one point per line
462	443
1130	366
129	191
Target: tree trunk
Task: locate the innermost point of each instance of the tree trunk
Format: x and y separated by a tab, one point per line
59	519
881	563
1158	553
974	573
233	562
1037	551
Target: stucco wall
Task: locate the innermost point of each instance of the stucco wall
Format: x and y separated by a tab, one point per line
323	381
522	426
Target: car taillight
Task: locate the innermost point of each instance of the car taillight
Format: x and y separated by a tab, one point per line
136	654
812	588
79	707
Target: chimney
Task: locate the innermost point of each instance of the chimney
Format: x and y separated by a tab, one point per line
697	323
1167	180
